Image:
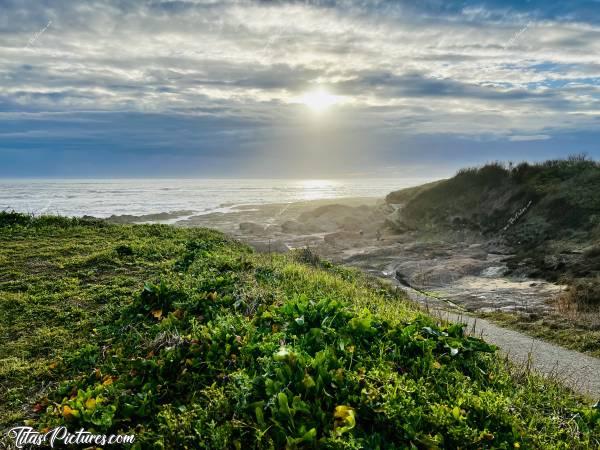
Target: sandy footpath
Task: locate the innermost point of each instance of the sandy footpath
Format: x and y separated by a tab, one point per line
574	369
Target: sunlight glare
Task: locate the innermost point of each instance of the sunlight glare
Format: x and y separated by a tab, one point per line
320	100
317	189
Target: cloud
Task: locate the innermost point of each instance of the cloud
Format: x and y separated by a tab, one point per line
480	70
531	137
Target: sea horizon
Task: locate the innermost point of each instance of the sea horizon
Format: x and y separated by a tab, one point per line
104	197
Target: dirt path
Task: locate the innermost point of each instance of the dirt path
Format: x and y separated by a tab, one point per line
576	370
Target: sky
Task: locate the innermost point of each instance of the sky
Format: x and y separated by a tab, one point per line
299	89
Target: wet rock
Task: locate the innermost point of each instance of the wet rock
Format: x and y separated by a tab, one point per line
251	228
128	218
341	237
276	246
401	278
294	227
433	273
272	229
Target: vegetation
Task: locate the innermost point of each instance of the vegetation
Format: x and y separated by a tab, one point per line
191	340
484	199
582	296
403	196
547	214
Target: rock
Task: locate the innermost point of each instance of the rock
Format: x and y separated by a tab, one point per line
396	222
593	251
124	218
481	255
553	262
128	218
331	218
251	228
401	278
294	227
493	271
340	236
272	230
165	215
430	273
351	224
277	246
498	247
329	212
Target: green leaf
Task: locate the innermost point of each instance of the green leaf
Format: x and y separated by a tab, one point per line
283	404
260	417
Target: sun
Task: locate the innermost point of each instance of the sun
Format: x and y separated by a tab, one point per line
319	100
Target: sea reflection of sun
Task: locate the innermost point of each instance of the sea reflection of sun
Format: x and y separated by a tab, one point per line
316	189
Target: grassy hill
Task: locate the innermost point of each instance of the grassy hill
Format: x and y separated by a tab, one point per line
190	340
563	195
548	214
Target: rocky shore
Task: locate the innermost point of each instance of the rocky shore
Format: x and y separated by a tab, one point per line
460	267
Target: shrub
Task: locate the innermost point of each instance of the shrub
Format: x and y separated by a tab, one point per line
583	294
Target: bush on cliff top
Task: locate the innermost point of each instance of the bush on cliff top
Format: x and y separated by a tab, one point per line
484	199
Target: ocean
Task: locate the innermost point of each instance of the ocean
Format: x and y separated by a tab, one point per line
103	198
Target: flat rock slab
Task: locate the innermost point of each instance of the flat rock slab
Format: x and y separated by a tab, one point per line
487	294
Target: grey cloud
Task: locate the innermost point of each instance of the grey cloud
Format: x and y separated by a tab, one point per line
420	86
242	63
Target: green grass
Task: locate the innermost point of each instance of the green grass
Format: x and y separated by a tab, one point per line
57	280
191	340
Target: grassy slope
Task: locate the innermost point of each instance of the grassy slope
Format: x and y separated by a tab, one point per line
404	196
564	214
225	348
56	279
558	237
